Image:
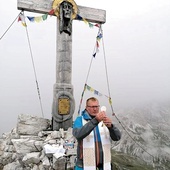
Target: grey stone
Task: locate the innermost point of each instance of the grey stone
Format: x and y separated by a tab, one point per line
31	158
31	125
26	151
13	166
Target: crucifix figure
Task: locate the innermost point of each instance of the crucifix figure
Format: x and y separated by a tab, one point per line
65	21
66	10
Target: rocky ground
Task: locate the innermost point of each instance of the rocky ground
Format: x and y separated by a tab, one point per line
145	143
33	146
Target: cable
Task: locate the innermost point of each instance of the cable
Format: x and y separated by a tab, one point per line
38	90
108	87
87	77
111	103
113	114
10	26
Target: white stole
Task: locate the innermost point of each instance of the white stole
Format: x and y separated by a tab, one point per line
89	159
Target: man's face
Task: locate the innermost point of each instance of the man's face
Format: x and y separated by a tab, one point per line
67	8
92	107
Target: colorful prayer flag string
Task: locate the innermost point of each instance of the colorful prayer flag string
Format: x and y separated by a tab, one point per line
89	88
96	92
98	38
51	12
78	17
38	18
34	19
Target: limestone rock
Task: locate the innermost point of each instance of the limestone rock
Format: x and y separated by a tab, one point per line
31	125
46	162
31	158
59	164
13	166
23	147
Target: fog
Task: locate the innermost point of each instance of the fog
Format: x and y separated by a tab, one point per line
135	44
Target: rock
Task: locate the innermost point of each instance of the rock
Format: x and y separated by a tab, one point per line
31	158
13	166
23	147
59	164
31	125
6	158
46	163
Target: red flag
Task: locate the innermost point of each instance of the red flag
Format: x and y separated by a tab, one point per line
97	44
97	25
19	18
51	12
22	19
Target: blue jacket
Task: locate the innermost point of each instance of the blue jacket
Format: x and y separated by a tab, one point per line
80	132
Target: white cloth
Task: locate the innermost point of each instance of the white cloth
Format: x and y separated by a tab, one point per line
89	148
57	151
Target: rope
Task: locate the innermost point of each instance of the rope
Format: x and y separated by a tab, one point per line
106	72
81	100
110	101
10	26
38	90
113	114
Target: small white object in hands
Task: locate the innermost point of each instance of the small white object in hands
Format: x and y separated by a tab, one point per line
103	109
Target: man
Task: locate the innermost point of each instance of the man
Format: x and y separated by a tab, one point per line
94	132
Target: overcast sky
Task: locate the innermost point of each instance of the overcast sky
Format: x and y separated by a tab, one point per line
136	38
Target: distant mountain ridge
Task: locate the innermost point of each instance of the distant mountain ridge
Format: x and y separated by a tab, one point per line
149	127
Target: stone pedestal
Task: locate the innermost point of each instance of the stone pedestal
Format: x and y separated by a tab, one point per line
63	117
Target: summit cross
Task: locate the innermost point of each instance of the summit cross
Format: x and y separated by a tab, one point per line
63	106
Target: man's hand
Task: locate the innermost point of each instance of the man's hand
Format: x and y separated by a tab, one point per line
107	121
100	116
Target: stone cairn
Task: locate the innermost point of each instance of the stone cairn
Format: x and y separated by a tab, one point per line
33	146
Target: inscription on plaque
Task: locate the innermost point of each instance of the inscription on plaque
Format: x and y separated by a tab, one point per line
64	106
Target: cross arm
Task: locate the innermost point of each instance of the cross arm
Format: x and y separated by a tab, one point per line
45	6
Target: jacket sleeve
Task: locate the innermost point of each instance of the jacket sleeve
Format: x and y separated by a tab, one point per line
114	133
80	131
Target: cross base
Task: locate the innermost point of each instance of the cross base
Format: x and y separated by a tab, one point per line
63	106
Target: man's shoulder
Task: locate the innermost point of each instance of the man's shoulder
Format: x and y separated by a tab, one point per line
79	117
77	122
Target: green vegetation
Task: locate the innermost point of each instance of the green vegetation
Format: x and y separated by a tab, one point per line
122	161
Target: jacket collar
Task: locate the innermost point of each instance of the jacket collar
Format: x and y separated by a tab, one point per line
86	115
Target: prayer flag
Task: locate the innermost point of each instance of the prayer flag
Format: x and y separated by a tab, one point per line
90	25
38	19
99	36
97	25
51	12
44	17
85	20
31	19
94	55
78	17
96	92
97	44
22	19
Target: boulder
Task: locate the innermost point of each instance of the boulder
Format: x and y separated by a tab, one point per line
31	125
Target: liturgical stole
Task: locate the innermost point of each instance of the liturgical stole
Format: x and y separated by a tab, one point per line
89	158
